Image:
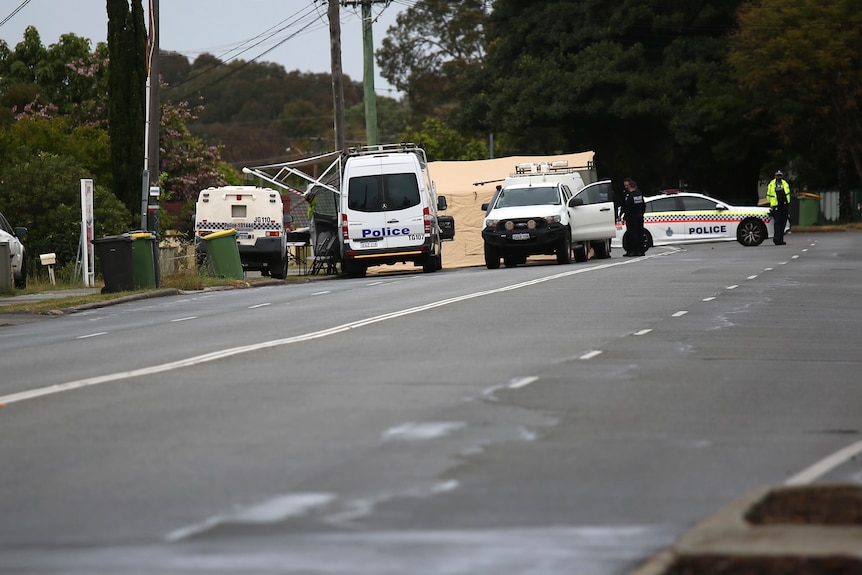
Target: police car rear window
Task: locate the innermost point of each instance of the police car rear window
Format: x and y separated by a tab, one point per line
383	192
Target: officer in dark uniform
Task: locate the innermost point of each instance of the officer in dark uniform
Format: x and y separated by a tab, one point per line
632	209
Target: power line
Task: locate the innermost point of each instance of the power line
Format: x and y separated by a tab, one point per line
18	9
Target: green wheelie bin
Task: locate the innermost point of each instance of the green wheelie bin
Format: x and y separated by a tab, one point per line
143	260
223	254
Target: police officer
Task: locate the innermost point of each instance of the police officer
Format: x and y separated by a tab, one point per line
632	209
778	194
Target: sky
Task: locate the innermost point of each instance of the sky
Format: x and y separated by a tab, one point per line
293	33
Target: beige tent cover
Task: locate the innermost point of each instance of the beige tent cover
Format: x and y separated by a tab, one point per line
455	181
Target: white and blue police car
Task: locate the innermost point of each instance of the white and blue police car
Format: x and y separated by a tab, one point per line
677	217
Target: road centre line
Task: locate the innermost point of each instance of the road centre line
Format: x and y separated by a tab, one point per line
679	313
752	277
734	286
642	331
97	334
321	292
825	465
184	318
522	382
225	353
710	298
590	354
258	305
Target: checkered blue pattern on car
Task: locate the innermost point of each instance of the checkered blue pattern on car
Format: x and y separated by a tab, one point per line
689	217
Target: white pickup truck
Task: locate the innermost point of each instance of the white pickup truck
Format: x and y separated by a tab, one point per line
547	209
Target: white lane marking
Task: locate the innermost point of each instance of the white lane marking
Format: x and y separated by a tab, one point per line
751	277
642	331
97	334
825	465
679	313
709	298
258	305
522	382
374	283
734	286
805	250
225	353
796	257
767	269
590	354
184	318
321	292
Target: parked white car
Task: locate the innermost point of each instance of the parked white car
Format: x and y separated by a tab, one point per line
13	236
675	217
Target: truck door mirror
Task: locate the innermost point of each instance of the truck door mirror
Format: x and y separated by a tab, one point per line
288	219
576	202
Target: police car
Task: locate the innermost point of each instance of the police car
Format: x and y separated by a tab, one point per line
12	237
676	217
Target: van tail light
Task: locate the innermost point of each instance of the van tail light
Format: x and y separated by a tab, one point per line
426	214
344	234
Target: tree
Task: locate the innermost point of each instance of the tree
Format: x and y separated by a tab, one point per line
801	63
443	143
643	83
127	45
432	47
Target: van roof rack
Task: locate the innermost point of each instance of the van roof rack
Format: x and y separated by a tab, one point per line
383	148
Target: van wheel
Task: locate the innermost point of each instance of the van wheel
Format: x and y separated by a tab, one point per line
353	269
492	257
430	264
279	268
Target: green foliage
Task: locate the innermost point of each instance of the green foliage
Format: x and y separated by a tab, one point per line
443	143
126	98
434	45
801	65
42	192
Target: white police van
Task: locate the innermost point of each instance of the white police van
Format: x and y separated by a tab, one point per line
257	215
389	209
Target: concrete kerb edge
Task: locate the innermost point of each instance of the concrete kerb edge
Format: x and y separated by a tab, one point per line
727	534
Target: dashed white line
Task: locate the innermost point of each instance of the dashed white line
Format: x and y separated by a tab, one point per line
320	292
796	257
184	318
590	354
258	305
825	465
752	277
679	313
767	269
709	298
734	286
97	334
522	382
642	332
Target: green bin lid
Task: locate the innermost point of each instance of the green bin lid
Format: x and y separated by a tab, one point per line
214	235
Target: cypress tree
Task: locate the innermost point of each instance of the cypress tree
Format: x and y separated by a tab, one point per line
127	45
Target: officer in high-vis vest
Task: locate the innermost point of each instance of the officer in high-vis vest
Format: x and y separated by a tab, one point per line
778	194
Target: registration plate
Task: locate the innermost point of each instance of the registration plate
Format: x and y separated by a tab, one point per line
368	244
521	236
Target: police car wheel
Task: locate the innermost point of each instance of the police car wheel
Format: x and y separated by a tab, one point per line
647	240
751	232
564	250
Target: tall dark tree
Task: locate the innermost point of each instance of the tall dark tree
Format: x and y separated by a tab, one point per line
127	46
641	82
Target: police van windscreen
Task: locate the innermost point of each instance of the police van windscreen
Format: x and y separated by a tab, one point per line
383	192
512	197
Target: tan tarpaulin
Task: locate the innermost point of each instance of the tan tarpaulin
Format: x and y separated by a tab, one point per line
455	181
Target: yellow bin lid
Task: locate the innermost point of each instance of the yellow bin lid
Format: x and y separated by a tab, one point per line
215	235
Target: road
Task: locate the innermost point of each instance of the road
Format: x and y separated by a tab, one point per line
539	420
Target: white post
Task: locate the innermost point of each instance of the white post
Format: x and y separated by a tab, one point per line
88	250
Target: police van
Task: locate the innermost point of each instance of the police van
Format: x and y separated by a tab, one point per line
257	215
388	209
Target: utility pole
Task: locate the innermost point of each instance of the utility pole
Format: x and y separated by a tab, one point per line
337	79
368	70
149	193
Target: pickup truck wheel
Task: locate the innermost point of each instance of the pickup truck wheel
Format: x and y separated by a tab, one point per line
510	261
582	252
602	248
564	250
492	257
